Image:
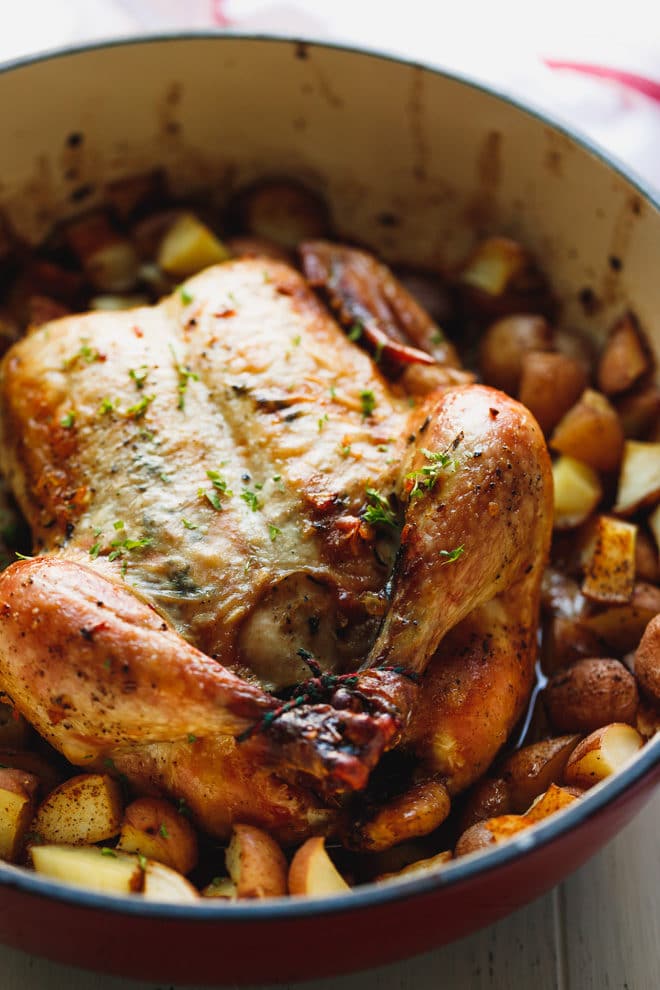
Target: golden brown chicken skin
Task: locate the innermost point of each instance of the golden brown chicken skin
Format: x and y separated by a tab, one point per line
227	500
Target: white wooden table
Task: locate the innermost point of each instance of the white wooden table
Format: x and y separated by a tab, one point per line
600	930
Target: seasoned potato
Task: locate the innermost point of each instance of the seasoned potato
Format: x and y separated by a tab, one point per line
577	492
488	797
163	884
255	863
416	812
589	694
601	754
531	770
110	260
504	345
591	432
282	211
648	719
550	384
155	828
647	660
48	775
17	802
474	839
88	866
313	873
608	558
503	827
639	480
639	411
625	358
429	865
84	809
620	627
189	246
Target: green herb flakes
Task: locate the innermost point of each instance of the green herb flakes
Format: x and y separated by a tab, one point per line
251	499
188	525
68	419
273	532
139	409
379	511
368	400
451	556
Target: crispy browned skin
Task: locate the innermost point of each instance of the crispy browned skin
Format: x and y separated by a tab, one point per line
201	469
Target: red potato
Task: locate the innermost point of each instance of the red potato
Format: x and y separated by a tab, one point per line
47	773
313	873
577	492
430	865
531	770
17	803
504	345
474	839
647	660
591	432
648	719
500	277
282	211
601	754
589	694
84	809
417	812
639	480
550	384
503	827
154	828
608	559
647	564
109	258
625	358
620	627
255	863
487	798
639	411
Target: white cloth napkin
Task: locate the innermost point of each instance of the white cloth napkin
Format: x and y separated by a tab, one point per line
593	65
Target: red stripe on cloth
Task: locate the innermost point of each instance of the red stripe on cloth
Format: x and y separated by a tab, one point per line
219	16
641	84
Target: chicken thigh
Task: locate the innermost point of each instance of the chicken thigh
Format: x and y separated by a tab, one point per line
259	563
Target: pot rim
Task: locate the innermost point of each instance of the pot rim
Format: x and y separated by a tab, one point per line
457	871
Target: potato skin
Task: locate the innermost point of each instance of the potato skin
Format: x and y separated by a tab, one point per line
504	344
591	432
488	798
530	771
476	837
550	384
647	660
591	693
625	358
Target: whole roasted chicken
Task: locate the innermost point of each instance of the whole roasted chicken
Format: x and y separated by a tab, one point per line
277	535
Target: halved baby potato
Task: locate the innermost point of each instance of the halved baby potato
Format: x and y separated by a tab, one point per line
608	559
313	873
188	247
591	432
591	693
430	865
577	492
639	480
255	863
530	771
154	828
17	801
84	809
88	866
602	754
625	358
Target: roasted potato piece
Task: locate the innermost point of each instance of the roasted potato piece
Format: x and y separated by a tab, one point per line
639	411
647	660
601	754
15	731
153	827
589	694
639	480
577	492
313	873
109	259
255	863
474	839
625	358
416	812
163	884
500	277
223	888
48	775
189	246
591	432
608	558
620	627
88	866
531	770
647	564
504	346
499	829
84	809
281	211
17	802
429	865
648	719
550	384
488	798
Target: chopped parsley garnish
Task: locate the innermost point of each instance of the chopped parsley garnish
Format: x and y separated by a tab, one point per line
107	851
333	392
452	555
251	499
418	483
355	332
437	337
183	808
139	376
139	409
379	512
188	525
142	861
277	477
119	524
185	296
212	497
119	546
368	400
185	375
162	830
296	340
378	353
322	421
94	551
219	482
107	406
86	353
23	556
273	531
192	738
345	450
68	419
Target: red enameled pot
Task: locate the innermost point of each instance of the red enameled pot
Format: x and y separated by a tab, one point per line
418	164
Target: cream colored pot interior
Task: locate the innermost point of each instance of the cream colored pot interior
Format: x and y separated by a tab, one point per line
413	163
